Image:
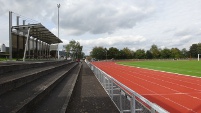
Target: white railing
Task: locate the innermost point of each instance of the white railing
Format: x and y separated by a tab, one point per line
125	99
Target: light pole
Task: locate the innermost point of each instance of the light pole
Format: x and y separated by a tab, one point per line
58	5
106	53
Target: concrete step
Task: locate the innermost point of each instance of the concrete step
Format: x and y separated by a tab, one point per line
17	66
22	99
57	100
11	80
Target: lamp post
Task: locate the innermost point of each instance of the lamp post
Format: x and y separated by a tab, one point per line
106	53
58	5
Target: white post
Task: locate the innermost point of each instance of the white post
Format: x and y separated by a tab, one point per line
26	46
58	5
198	57
58	50
10	36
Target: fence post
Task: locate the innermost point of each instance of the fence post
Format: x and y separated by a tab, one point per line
120	104
110	86
133	104
112	89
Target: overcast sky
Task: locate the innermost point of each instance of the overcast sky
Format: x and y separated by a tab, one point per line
136	24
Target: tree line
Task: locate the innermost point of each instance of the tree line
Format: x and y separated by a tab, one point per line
100	53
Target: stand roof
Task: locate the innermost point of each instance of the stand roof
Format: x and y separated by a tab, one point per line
38	31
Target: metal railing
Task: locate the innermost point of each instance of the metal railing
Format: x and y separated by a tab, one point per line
125	99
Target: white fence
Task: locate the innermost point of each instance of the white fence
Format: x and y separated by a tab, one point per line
125	99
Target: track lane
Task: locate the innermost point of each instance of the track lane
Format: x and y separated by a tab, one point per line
150	85
167	91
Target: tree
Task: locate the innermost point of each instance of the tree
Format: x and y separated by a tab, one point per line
113	53
165	53
175	53
98	53
199	48
184	53
155	51
128	53
122	54
74	50
193	50
149	54
140	54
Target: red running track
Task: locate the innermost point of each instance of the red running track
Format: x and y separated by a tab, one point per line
173	92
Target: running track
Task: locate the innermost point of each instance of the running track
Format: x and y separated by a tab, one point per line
175	93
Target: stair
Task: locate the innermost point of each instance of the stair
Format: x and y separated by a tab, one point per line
32	86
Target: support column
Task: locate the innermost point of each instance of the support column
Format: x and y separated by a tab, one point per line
29	47
33	47
25	49
17	21
10	36
49	51
23	40
36	48
40	49
46	50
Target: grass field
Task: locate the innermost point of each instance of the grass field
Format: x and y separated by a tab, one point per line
185	67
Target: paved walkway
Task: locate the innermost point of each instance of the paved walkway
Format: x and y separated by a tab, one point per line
89	96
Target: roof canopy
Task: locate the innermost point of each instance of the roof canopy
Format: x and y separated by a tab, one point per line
38	31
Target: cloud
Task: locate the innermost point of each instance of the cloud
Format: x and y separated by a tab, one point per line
114	40
35	9
103	16
184	32
136	24
119	42
1	8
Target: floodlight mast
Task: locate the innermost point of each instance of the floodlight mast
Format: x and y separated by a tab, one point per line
58	5
10	35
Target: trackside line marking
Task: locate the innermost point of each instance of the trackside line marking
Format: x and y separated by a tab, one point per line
160	85
168	78
175	94
168	81
160	71
159	95
170	73
155	92
150	90
163	96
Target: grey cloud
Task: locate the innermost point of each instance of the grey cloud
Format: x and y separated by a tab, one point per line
183	32
1	8
180	41
35	9
169	30
198	33
103	17
95	17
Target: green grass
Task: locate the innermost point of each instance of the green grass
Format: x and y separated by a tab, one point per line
2	59
185	67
